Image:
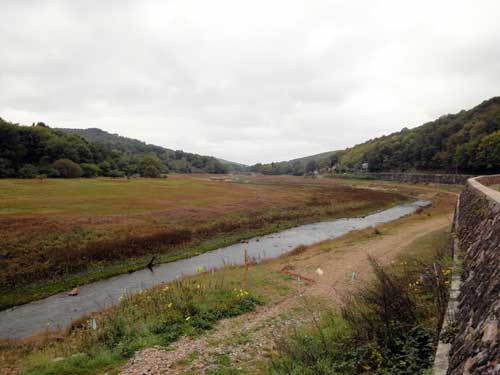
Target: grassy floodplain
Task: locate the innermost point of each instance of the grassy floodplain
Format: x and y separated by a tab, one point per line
57	233
411	247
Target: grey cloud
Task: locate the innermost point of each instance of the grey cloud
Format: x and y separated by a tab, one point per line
246	81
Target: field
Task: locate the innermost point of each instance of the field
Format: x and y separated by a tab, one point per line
57	233
225	343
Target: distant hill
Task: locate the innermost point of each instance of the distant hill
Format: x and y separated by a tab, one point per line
98	135
315	157
233	166
176	161
467	142
134	145
28	151
298	166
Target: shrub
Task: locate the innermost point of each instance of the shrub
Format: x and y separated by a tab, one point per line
49	170
90	170
388	327
6	168
67	168
151	166
324	348
28	171
115	173
151	171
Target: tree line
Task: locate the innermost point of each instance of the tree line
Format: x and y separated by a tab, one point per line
38	150
466	142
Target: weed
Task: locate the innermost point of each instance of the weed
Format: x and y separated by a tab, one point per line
156	317
388	327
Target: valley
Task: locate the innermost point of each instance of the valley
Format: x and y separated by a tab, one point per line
58	234
287	302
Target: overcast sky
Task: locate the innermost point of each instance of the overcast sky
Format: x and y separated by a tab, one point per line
249	81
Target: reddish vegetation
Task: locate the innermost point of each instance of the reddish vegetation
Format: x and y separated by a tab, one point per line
43	246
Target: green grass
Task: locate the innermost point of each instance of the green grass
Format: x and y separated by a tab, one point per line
107	196
155	317
79	364
149	321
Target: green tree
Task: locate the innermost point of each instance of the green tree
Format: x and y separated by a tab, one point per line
90	170
6	168
116	173
311	166
298	168
28	171
334	159
151	166
489	151
40	145
324	164
67	168
105	168
61	148
151	171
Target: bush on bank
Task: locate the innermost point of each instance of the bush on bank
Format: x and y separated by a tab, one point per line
389	327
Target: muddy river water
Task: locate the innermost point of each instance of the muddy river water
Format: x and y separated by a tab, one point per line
60	309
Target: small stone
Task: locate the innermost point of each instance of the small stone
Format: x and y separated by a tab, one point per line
74	292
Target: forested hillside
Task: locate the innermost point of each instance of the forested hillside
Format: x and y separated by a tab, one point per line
179	161
38	150
176	161
467	142
298	166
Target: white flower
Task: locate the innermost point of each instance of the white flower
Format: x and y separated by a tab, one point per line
319	272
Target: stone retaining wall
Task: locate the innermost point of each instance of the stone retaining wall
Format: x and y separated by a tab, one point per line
448	179
476	346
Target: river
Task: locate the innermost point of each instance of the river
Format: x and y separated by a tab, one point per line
60	309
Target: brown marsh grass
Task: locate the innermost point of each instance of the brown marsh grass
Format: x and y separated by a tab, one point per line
55	228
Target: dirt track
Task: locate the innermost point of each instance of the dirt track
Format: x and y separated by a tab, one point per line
247	339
